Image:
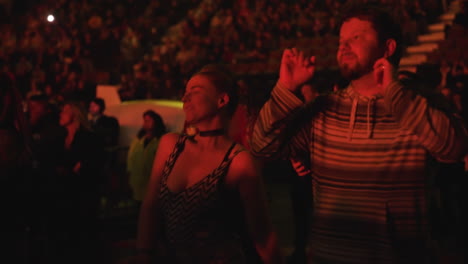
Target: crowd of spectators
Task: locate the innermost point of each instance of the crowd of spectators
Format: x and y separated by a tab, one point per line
88	43
150	47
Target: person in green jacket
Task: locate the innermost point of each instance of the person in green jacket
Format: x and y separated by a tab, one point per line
141	153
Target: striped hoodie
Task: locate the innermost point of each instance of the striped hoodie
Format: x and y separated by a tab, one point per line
369	158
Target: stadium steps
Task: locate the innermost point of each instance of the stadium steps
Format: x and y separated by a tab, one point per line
429	41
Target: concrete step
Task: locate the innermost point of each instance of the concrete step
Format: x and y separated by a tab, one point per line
447	17
428	42
413	60
411	68
432	37
438	27
422	48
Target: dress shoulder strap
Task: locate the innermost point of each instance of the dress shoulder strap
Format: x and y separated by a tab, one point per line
178	148
230	155
228	152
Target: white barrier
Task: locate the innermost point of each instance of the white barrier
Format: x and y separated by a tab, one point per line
130	116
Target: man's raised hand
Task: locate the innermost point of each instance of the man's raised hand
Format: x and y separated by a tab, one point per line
296	69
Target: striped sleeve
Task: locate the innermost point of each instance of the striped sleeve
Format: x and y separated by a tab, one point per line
278	132
443	135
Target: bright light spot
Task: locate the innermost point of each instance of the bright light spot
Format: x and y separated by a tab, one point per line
50	18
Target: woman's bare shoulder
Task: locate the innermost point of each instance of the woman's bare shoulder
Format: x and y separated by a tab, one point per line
168	140
244	164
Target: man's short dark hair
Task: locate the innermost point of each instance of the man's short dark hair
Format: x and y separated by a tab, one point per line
101	103
382	21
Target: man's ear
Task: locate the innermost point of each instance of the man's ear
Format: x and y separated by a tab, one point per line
223	100
390	47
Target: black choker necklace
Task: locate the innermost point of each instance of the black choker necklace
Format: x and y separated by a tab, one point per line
211	133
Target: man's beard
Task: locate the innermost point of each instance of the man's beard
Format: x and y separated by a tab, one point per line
353	73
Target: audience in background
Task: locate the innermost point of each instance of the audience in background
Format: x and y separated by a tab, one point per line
91	43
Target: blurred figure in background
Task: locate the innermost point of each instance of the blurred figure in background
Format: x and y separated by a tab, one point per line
107	128
15	165
141	153
48	136
77	187
48	139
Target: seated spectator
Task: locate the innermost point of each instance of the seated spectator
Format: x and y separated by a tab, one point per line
141	153
54	98
259	52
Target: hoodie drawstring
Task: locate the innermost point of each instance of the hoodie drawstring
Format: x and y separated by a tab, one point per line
352	117
370	102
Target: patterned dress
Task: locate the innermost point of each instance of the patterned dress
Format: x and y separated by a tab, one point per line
204	223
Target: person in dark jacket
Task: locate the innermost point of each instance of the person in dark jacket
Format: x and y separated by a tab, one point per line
15	163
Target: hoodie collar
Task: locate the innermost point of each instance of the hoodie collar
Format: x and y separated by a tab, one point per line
356	98
350	92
